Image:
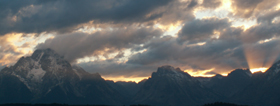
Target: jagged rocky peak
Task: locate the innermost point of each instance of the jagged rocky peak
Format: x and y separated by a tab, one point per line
168	70
49	57
39	53
240	72
274	69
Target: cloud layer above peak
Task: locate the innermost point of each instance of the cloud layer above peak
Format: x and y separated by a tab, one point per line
130	38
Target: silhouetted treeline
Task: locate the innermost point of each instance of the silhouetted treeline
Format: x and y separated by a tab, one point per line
140	105
222	104
54	104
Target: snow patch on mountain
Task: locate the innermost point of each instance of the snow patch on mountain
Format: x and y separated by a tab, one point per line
40	56
36	74
80	76
55	67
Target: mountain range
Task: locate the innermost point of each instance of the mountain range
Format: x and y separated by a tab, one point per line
46	77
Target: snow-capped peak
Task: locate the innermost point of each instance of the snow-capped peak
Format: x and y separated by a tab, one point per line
42	65
171	72
37	55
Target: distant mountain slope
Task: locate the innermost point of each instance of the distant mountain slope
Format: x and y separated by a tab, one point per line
170	86
264	89
46	77
227	86
129	89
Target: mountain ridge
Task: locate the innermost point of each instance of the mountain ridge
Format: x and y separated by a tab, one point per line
46	77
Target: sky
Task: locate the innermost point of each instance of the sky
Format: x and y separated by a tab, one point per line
126	40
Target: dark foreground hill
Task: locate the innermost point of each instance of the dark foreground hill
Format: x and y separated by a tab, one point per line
55	104
222	104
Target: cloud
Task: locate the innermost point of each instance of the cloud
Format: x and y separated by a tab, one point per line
78	45
37	16
225	53
110	68
9	52
41	16
262	54
252	8
123	38
192	3
221	54
211	3
202	29
268	17
261	32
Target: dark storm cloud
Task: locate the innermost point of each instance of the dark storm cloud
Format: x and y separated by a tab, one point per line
65	15
217	54
223	54
39	16
119	55
261	32
79	45
201	29
167	51
245	8
111	68
128	25
211	3
192	4
268	17
252	8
